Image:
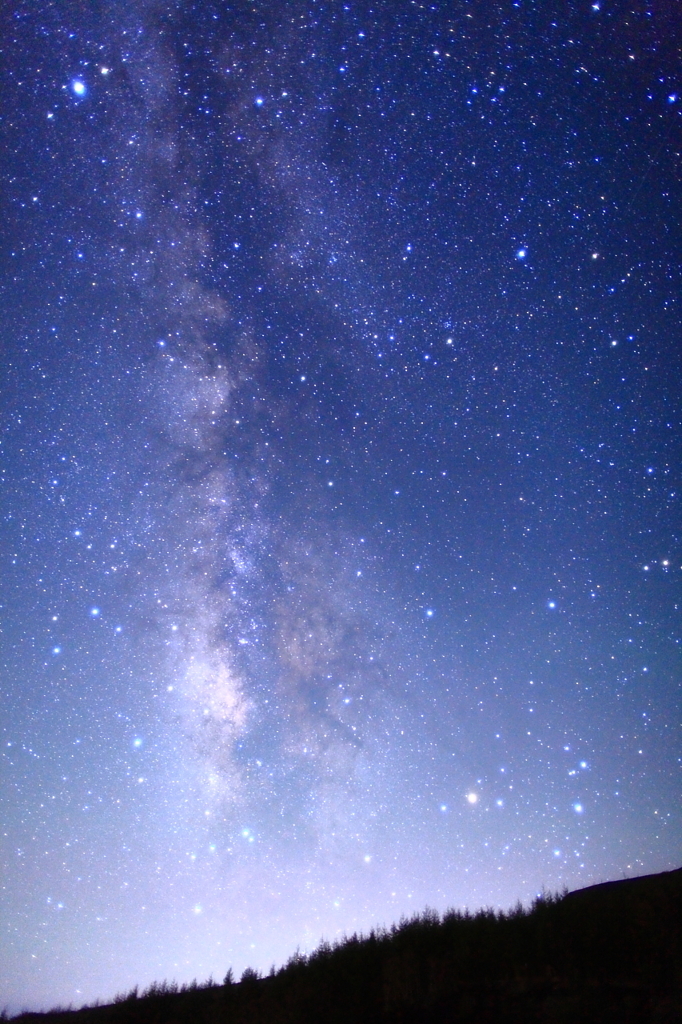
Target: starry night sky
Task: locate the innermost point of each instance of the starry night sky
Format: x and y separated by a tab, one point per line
340	461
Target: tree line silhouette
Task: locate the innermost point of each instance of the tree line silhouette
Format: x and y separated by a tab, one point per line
608	953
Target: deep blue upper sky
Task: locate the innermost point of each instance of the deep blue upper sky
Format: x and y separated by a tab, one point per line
340	448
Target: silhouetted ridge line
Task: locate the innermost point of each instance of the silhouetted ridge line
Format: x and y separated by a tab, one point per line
607	953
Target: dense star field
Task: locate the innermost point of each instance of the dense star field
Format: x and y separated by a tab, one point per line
340	434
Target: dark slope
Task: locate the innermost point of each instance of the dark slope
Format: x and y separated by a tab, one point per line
608	953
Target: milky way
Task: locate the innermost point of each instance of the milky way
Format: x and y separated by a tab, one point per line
340	559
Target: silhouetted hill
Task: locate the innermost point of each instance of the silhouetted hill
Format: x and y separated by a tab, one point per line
608	953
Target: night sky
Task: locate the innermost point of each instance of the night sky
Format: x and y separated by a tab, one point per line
340	461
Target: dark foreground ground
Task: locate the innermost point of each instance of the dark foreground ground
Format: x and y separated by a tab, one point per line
610	953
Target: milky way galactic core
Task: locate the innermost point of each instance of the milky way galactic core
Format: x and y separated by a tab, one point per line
340	457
